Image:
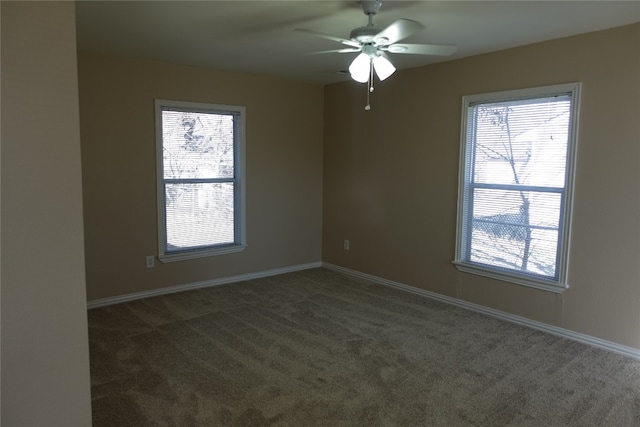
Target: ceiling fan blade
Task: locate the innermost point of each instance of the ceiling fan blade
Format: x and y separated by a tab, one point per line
400	29
347	50
422	49
328	37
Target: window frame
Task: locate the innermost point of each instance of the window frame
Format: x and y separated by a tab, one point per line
238	180
463	235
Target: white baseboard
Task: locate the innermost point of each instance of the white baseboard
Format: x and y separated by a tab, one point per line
555	330
197	285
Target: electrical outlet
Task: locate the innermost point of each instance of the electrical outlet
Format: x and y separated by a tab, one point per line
151	261
345	245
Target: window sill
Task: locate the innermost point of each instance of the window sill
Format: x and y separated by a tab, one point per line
203	253
532	282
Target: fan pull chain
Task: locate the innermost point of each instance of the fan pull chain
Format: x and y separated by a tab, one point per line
369	86
371	76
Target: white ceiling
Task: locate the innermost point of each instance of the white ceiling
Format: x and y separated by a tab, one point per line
258	36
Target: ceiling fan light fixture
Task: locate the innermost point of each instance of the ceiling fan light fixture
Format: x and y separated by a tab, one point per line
384	68
360	68
373	43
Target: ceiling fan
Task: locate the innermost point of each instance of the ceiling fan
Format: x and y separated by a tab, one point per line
374	43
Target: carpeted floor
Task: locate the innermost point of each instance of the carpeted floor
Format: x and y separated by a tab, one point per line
317	348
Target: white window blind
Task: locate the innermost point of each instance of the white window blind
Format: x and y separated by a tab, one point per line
516	177
200	186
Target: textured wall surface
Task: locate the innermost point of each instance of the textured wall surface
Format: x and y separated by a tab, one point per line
45	352
391	176
284	124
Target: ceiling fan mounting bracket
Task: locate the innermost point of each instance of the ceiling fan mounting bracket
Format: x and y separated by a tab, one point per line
371	7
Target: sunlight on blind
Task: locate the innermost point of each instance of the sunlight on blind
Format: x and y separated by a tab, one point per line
199	178
199	215
197	145
516	173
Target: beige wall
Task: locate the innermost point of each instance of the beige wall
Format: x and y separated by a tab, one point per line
283	171
45	357
390	179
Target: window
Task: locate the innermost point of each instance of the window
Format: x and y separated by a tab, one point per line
200	149
515	188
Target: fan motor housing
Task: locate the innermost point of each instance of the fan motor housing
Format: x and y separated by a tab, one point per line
364	34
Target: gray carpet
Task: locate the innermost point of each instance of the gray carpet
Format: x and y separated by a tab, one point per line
317	348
